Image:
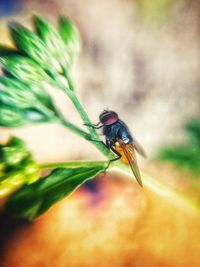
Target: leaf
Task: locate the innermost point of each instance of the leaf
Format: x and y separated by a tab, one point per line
30	44
33	200
17	142
70	36
13	156
11	184
17	167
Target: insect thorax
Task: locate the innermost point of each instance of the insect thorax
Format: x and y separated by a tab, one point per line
117	130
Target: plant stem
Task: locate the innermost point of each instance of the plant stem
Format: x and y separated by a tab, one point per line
74	128
68	78
98	144
73	164
94	138
94	135
83	115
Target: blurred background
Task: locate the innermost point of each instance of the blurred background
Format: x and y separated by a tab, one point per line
141	59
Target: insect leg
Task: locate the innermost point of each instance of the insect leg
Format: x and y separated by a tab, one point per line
109	146
111	160
97	141
95	126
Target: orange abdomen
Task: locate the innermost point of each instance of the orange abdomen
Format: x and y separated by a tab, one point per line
120	150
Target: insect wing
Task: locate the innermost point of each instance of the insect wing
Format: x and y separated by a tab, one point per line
139	148
129	152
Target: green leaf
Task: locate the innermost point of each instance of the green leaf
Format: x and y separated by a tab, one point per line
23	68
52	39
33	200
30	44
11	184
17	142
17	167
71	38
13	156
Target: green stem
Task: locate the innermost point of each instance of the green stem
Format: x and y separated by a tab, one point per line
72	164
86	120
102	148
71	94
94	135
68	78
83	115
74	128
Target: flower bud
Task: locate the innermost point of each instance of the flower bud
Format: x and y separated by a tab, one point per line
71	38
30	44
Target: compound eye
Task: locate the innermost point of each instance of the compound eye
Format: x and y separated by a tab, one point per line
110	119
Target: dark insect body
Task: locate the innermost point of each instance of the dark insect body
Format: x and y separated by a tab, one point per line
120	141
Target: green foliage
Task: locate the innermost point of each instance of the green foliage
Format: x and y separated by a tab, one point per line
32	200
186	155
16	166
39	59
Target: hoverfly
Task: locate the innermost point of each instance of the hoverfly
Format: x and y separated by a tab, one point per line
120	141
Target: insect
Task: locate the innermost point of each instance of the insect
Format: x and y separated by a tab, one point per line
120	141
